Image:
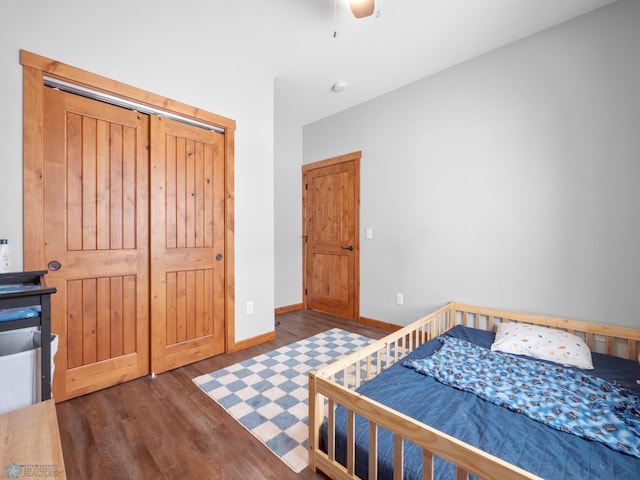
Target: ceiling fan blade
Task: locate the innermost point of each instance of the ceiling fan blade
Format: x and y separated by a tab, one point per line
362	8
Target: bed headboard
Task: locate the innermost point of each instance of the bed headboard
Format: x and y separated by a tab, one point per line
608	339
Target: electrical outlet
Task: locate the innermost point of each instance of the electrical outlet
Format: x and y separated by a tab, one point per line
250	307
399	299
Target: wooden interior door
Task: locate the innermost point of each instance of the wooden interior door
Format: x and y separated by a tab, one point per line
187	244
331	200
96	215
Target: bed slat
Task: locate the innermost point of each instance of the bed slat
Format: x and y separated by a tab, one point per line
398	457
609	349
331	437
588	339
461	474
373	451
427	465
351	443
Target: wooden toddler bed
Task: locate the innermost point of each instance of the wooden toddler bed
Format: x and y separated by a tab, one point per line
354	433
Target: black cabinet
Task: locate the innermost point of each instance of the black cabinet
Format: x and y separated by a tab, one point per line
25	301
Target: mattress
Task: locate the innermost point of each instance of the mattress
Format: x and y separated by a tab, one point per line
508	435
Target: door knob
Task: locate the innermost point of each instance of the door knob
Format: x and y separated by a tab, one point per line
350	248
54	265
219	257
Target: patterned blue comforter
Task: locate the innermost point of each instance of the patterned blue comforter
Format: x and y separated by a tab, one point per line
566	400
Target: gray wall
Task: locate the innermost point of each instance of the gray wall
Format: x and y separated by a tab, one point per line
159	46
511	180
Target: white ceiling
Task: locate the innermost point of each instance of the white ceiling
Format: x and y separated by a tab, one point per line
409	40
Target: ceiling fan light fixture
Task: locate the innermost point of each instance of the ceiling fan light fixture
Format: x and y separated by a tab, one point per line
362	8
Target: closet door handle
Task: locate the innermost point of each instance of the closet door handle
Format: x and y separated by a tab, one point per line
350	248
219	257
54	265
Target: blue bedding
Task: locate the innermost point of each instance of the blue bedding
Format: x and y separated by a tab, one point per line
561	398
8	314
548	453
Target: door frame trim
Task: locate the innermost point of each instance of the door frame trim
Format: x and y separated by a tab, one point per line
35	67
348	157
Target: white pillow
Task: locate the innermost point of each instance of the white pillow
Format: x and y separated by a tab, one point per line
543	343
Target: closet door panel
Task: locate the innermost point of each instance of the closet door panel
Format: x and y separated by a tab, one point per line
187	244
96	226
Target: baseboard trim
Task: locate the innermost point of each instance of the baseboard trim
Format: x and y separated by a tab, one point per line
251	342
392	327
289	308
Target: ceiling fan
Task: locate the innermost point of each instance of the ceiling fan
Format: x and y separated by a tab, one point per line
362	8
359	8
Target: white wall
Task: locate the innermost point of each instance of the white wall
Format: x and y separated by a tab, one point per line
288	207
159	46
511	180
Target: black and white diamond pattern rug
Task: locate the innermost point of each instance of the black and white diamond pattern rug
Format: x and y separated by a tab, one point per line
268	394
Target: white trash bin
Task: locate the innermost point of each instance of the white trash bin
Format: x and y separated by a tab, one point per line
20	367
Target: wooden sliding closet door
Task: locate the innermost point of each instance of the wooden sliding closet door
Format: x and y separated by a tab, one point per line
187	244
133	216
96	241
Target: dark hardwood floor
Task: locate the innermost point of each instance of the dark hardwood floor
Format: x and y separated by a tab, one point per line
167	428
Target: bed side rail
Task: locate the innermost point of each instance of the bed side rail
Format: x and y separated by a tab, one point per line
468	459
369	361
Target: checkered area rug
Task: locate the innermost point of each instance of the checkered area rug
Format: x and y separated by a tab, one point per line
268	394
